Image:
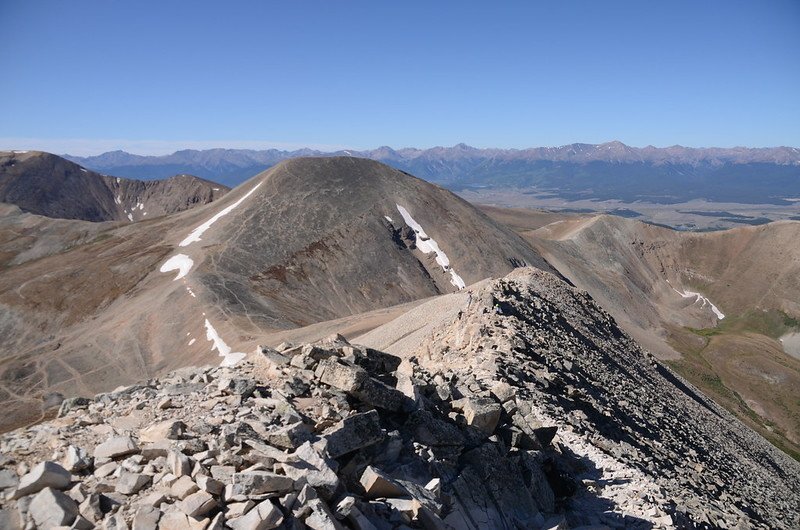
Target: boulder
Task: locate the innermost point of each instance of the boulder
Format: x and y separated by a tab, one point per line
318	471
116	447
264	516
165	430
129	483
354	432
46	474
377	484
76	459
146	518
50	508
259	482
179	464
183	487
198	504
482	413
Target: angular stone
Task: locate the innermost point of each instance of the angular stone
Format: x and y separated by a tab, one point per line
105	470
377	484
223	473
76	459
179	464
318	471
354	432
503	391
165	430
429	430
345	377
260	482
116	447
238	509
321	517
129	483
264	516
174	521
545	435
8	479
482	413
146	518
289	436
51	508
198	504
209	484
183	487
46	474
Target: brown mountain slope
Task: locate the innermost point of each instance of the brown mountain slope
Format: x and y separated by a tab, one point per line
307	241
646	276
49	185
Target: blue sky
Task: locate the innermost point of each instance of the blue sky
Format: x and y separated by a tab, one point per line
86	76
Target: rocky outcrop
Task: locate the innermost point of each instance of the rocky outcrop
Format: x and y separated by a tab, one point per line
530	410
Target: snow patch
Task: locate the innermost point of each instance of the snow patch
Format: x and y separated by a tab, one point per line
130	218
427	245
229	358
118	199
215	189
700	298
84	170
191	342
197	232
19	152
388	219
117	180
180	262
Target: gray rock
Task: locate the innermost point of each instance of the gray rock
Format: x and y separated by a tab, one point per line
353	433
198	504
46	474
183	487
129	483
264	516
165	430
482	413
179	464
146	518
318	471
8	479
377	484
289	436
51	508
259	482
116	447
76	459
321	517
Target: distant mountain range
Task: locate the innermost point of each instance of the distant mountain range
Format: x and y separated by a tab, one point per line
578	171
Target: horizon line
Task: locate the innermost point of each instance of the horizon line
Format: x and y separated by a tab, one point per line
85	147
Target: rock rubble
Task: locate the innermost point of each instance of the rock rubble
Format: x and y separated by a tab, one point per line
531	410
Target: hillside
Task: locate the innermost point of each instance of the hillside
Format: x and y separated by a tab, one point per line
49	185
308	241
524	406
650	277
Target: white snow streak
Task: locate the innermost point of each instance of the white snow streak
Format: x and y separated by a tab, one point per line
180	262
388	219
197	232
700	298
427	245
118	199
84	170
130	218
229	359
191	342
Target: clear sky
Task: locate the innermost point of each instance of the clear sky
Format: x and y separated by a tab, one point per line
86	76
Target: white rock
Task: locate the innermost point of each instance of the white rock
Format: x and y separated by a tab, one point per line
51	508
44	475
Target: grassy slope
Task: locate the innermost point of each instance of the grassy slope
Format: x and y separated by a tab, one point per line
742	367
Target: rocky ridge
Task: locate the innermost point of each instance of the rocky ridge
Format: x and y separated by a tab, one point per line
530	409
